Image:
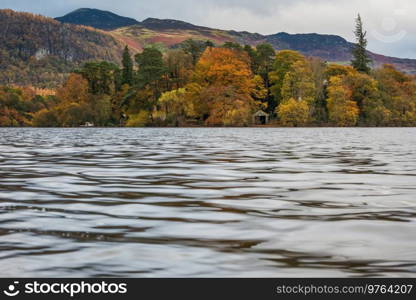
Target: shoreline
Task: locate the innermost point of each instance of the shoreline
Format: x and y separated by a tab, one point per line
209	127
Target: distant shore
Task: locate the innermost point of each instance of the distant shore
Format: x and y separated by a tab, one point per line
208	127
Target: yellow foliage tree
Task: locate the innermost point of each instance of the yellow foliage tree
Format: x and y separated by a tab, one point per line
338	70
398	94
342	110
174	108
259	92
293	113
140	119
282	65
298	83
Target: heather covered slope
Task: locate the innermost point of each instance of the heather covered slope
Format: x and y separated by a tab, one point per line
40	51
168	33
139	36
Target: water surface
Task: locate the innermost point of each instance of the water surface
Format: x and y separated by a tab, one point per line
208	202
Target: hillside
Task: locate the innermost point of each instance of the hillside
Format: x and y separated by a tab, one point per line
169	33
39	51
139	36
332	48
96	18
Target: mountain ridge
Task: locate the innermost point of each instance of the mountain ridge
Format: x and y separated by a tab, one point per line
40	51
170	32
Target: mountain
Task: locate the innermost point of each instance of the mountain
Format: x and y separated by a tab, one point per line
40	51
327	47
96	18
330	48
169	33
333	48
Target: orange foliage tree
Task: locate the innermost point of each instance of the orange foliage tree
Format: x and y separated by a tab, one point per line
228	86
74	90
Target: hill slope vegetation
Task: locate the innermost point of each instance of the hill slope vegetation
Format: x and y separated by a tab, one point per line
40	51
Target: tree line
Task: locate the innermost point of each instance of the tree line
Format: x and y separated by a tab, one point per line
200	84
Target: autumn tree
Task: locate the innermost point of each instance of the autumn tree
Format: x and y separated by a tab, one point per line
293	113
262	64
73	108
19	106
100	107
342	110
298	83
227	106
337	70
77	105
282	65
228	86
175	107
179	68
398	94
318	73
198	106
225	67
75	89
46	118
14	110
365	93
139	119
74	114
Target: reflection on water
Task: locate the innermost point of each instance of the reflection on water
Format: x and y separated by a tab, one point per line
207	202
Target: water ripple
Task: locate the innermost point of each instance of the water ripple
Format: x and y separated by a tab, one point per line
207	202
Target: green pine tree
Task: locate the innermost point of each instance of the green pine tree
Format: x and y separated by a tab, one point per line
127	72
361	60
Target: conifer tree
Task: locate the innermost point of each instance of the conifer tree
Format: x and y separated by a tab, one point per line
361	60
127	75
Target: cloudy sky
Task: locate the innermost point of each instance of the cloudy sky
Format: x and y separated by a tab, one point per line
390	23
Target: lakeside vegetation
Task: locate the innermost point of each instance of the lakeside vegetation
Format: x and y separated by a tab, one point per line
200	84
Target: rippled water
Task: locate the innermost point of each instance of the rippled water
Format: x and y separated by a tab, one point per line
207	202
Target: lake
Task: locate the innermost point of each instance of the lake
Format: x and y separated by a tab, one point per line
208	202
